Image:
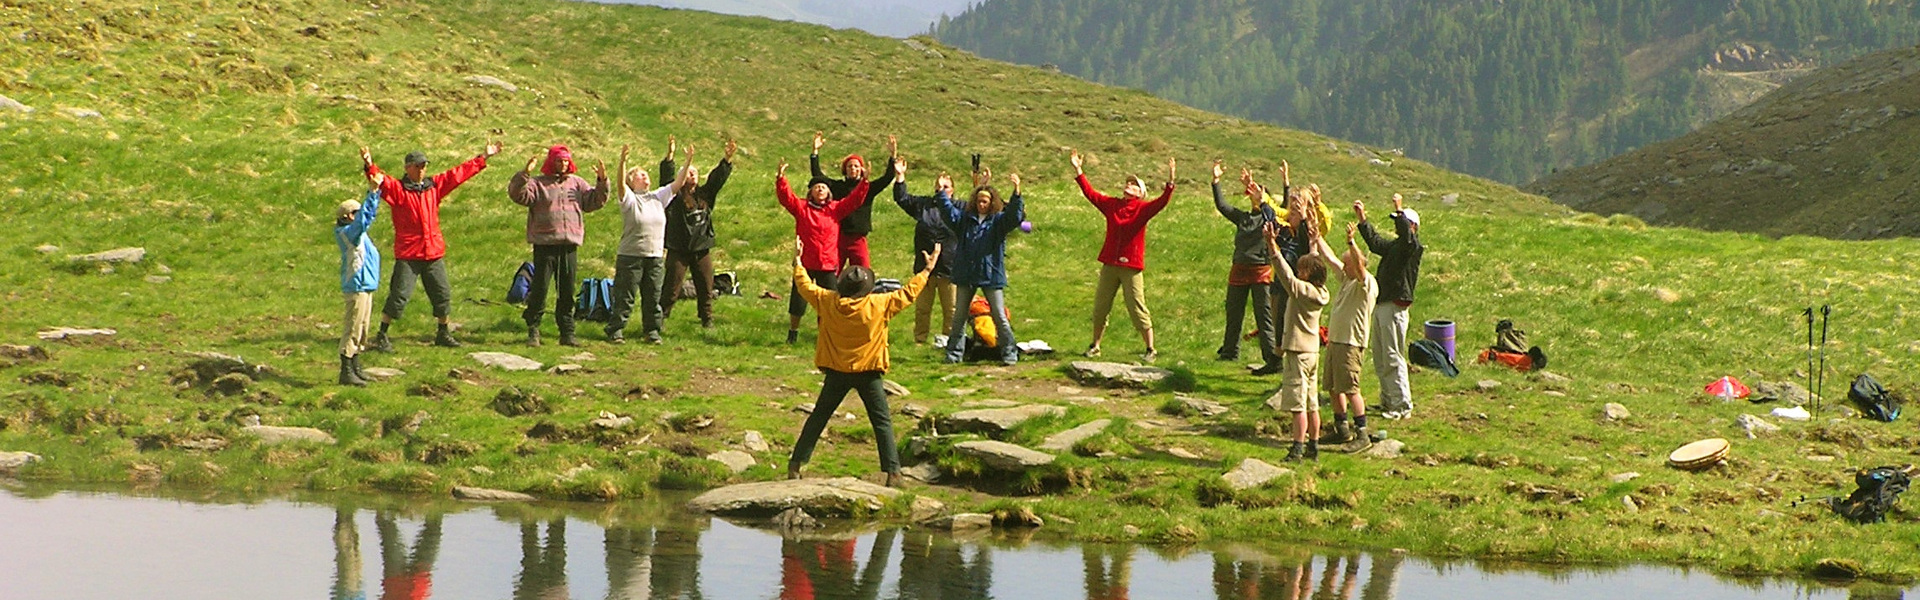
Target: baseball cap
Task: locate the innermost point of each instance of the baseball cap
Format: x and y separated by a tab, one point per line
347	209
416	158
1410	216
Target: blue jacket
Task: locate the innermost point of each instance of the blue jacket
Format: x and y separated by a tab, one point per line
979	243
359	257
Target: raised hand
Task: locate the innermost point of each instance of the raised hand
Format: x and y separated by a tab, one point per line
731	146
893	145
531	162
1351	228
1286	174
491	149
375	179
783	168
1359	210
689	153
623	153
819	139
933	258
1398	203
1077	161
600	169
899	168
944	183
673	146
1014	178
366	157
1218	171
1169	171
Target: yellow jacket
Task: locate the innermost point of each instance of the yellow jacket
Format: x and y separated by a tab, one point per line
1280	212
853	333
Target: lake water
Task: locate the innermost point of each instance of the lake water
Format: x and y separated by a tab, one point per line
81	545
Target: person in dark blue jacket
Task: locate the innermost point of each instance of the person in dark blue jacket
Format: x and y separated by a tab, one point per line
359	275
929	230
978	234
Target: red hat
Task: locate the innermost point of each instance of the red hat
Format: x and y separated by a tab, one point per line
849	160
559	160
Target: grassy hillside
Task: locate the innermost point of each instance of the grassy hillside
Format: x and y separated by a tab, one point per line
1825	155
227	131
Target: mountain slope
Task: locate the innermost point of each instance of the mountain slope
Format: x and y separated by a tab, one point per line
1507	90
1829	154
897	18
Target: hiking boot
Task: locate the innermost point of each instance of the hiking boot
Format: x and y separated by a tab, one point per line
347	377
1362	440
1227	356
1092	352
793	336
616	337
894	481
706	323
1295	453
381	343
654	338
1266	369
354	362
793	471
1339	435
566	339
1149	356
1313	451
533	336
444	338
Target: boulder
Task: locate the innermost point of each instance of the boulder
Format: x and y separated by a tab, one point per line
1004	456
1615	411
271	435
1064	441
998	420
70	333
840	496
1116	375
503	360
1252	473
754	441
116	255
480	494
9	461
962	521
735	460
491	81
1388	449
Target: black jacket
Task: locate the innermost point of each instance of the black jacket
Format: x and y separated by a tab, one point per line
1249	235
929	228
690	216
858	223
1399	268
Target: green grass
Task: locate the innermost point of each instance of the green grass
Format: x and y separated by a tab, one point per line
228	135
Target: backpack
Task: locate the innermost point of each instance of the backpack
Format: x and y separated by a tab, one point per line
1879	488
1510	343
1875	401
595	300
1428	353
726	284
522	280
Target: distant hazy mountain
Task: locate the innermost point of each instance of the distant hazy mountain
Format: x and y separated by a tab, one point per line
897	18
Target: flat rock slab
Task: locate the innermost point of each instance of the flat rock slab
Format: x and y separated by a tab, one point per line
1252	473
1116	374
382	373
116	255
14	460
9	104
69	333
491	81
894	389
1004	456
735	460
271	435
962	521
839	496
1200	406
502	360
989	403
22	353
479	494
1064	441
997	420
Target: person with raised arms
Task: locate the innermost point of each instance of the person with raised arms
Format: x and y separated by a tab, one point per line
929	230
1123	254
816	220
1348	326
419	251
1399	273
556	202
854	227
359	275
641	262
690	235
979	233
1306	285
1250	275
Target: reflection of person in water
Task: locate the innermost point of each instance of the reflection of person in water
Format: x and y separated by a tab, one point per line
937	568
629	562
655	562
825	568
543	568
1383	578
1108	570
405	575
347	584
1259	579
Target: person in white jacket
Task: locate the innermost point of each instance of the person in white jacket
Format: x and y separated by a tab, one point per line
641	265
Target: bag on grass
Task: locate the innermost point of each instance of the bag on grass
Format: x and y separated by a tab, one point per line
726	284
1878	489
594	302
522	280
1874	400
1428	353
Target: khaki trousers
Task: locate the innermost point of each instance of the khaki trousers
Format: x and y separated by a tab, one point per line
359	314
1120	279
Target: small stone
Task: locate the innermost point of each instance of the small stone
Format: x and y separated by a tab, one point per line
514	402
11	461
44	248
270	435
1629	503
1624	477
1065	440
70	333
117	255
382	373
735	460
894	389
1019	516
1552	377
480	470
1487	385
806	409
81	113
503	360
608	420
753	441
156	279
1200	406
1252	473
1130	531
480	494
1615	411
490	81
565	369
1754	425
795	518
1387	449
9	104
581	357
1666	295
1178	452
1067	390
1004	456
962	391
962	521
1554	393
913	410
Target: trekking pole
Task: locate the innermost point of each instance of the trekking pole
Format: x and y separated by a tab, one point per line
1825	309
1809	314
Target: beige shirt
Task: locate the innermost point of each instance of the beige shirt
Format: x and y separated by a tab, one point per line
1352	314
1302	321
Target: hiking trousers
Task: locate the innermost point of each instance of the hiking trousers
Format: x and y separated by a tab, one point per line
560	263
873	393
432	274
938	289
678	264
963	314
353	340
641	276
1389	340
1238	298
1121	281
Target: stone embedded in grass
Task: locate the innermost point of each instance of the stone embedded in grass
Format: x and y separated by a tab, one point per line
11	105
998	420
842	496
491	81
1487	385
1628	502
1754	425
116	255
923	472
1004	456
205	444
72	333
158	279
1788	392
754	441
81	113
14	354
1387	449
1624	477
11	461
1064	441
1183	405
1116	375
503	360
894	389
270	435
1615	411
913	410
514	402
44	248
564	369
735	460
1252	473
608	420
1182	453
382	373
480	494
989	403
231	384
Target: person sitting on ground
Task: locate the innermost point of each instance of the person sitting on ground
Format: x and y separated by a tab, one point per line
556	202
359	275
929	230
1123	254
640	264
1299	393
1250	276
689	239
419	251
1348	326
979	234
817	221
1399	273
853	171
851	353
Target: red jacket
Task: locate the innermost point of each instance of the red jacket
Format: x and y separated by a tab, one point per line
819	228
1126	244
416	214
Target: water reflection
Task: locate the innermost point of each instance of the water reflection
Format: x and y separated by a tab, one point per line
78	545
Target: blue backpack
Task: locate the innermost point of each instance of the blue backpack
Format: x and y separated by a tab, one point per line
595	300
1428	353
522	279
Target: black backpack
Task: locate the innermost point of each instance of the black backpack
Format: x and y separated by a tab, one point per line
1875	401
1880	487
1428	353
